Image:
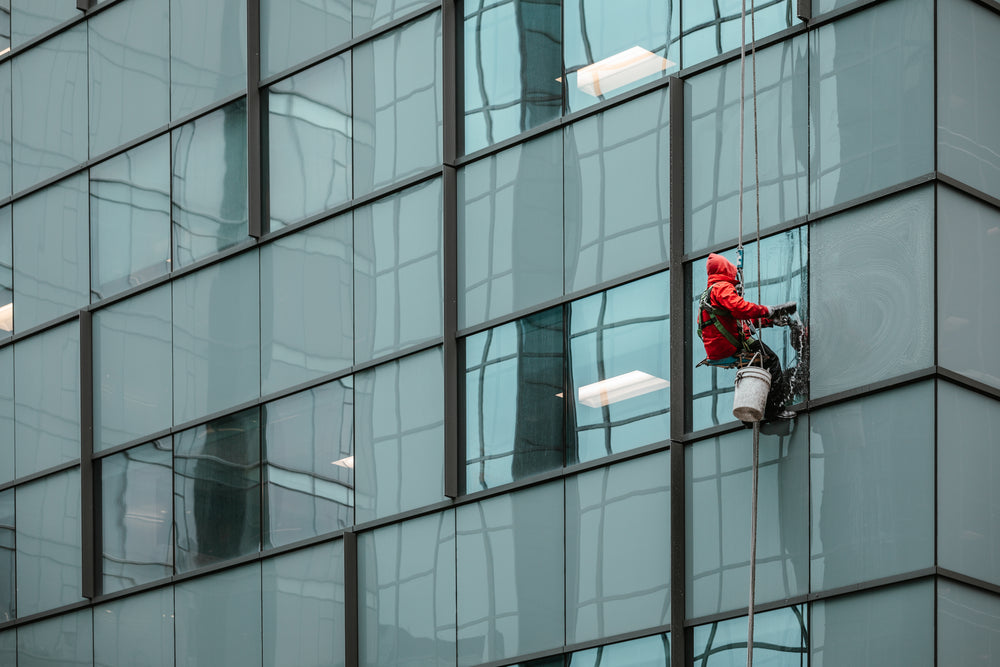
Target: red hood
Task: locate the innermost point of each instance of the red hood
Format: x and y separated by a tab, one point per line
720	269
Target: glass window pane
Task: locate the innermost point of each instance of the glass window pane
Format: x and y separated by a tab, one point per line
967	244
399	460
6	273
968	458
303	603
30	18
872	101
618	549
6	414
510	236
51	252
510	575
217	491
64	641
47	399
216	338
309	132
136	498
888	627
712	28
718	495
8	646
371	14
968	625
210	184
309	473
620	368
512	73
208	52
514	406
48	542
780	639
49	116
132	355
617	192
6	147
652	651
872	278
398	119
398	271
872	487
406	591
135	631
129	78
7	555
711	152
218	618
307	305
292	31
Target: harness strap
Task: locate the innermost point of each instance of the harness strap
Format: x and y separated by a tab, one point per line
712	311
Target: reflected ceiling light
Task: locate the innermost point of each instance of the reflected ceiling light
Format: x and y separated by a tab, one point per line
7	317
4	52
347	462
619	388
620	70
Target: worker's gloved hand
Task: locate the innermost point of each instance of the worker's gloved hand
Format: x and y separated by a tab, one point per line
784	309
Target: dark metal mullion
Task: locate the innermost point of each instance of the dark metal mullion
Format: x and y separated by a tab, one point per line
257	223
88	487
350	543
450	68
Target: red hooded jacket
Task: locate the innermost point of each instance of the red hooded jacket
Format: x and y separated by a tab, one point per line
722	286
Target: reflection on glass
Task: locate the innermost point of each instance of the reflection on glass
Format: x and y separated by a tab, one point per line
513	68
218	618
652	651
6	139
292	31
137	630
65	640
303	607
209	184
510	235
406	592
6	274
510	575
7	555
130	218
30	18
309	463
48	542
136	497
370	14
6	414
307	304
717	493
968	625
780	639
8	646
309	141
217	491
872	487
712	28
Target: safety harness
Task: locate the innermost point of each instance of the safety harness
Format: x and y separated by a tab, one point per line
705	303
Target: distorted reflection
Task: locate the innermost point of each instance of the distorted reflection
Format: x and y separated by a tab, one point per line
293	31
6	274
370	14
7	555
135	630
711	28
780	639
652	651
65	640
30	18
6	414
6	137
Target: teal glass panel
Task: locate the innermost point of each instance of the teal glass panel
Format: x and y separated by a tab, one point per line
136	631
718	494
6	414
617	194
129	72
135	512
130	218
31	18
968	625
399	460
398	284
871	101
309	463
132	356
712	147
710	29
6	273
8	590
888	627
47	399
398	120
510	575
619	345
780	639
208	53
51	252
216	338
4	26
618	549
48	542
371	14
309	132
209	184
65	641
784	271
968	428
49	113
303	607
293	31
513	67
652	651
872	278
514	406
307	305
218	618
6	109
406	592
872	487
217	491
968	241
510	235
8	646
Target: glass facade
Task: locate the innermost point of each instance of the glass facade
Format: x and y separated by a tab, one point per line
364	332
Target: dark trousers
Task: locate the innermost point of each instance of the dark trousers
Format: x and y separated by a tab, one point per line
778	394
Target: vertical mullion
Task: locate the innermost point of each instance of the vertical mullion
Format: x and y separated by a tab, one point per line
257	222
88	488
351	598
83	5
450	250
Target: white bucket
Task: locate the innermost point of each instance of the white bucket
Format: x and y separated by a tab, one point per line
752	385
